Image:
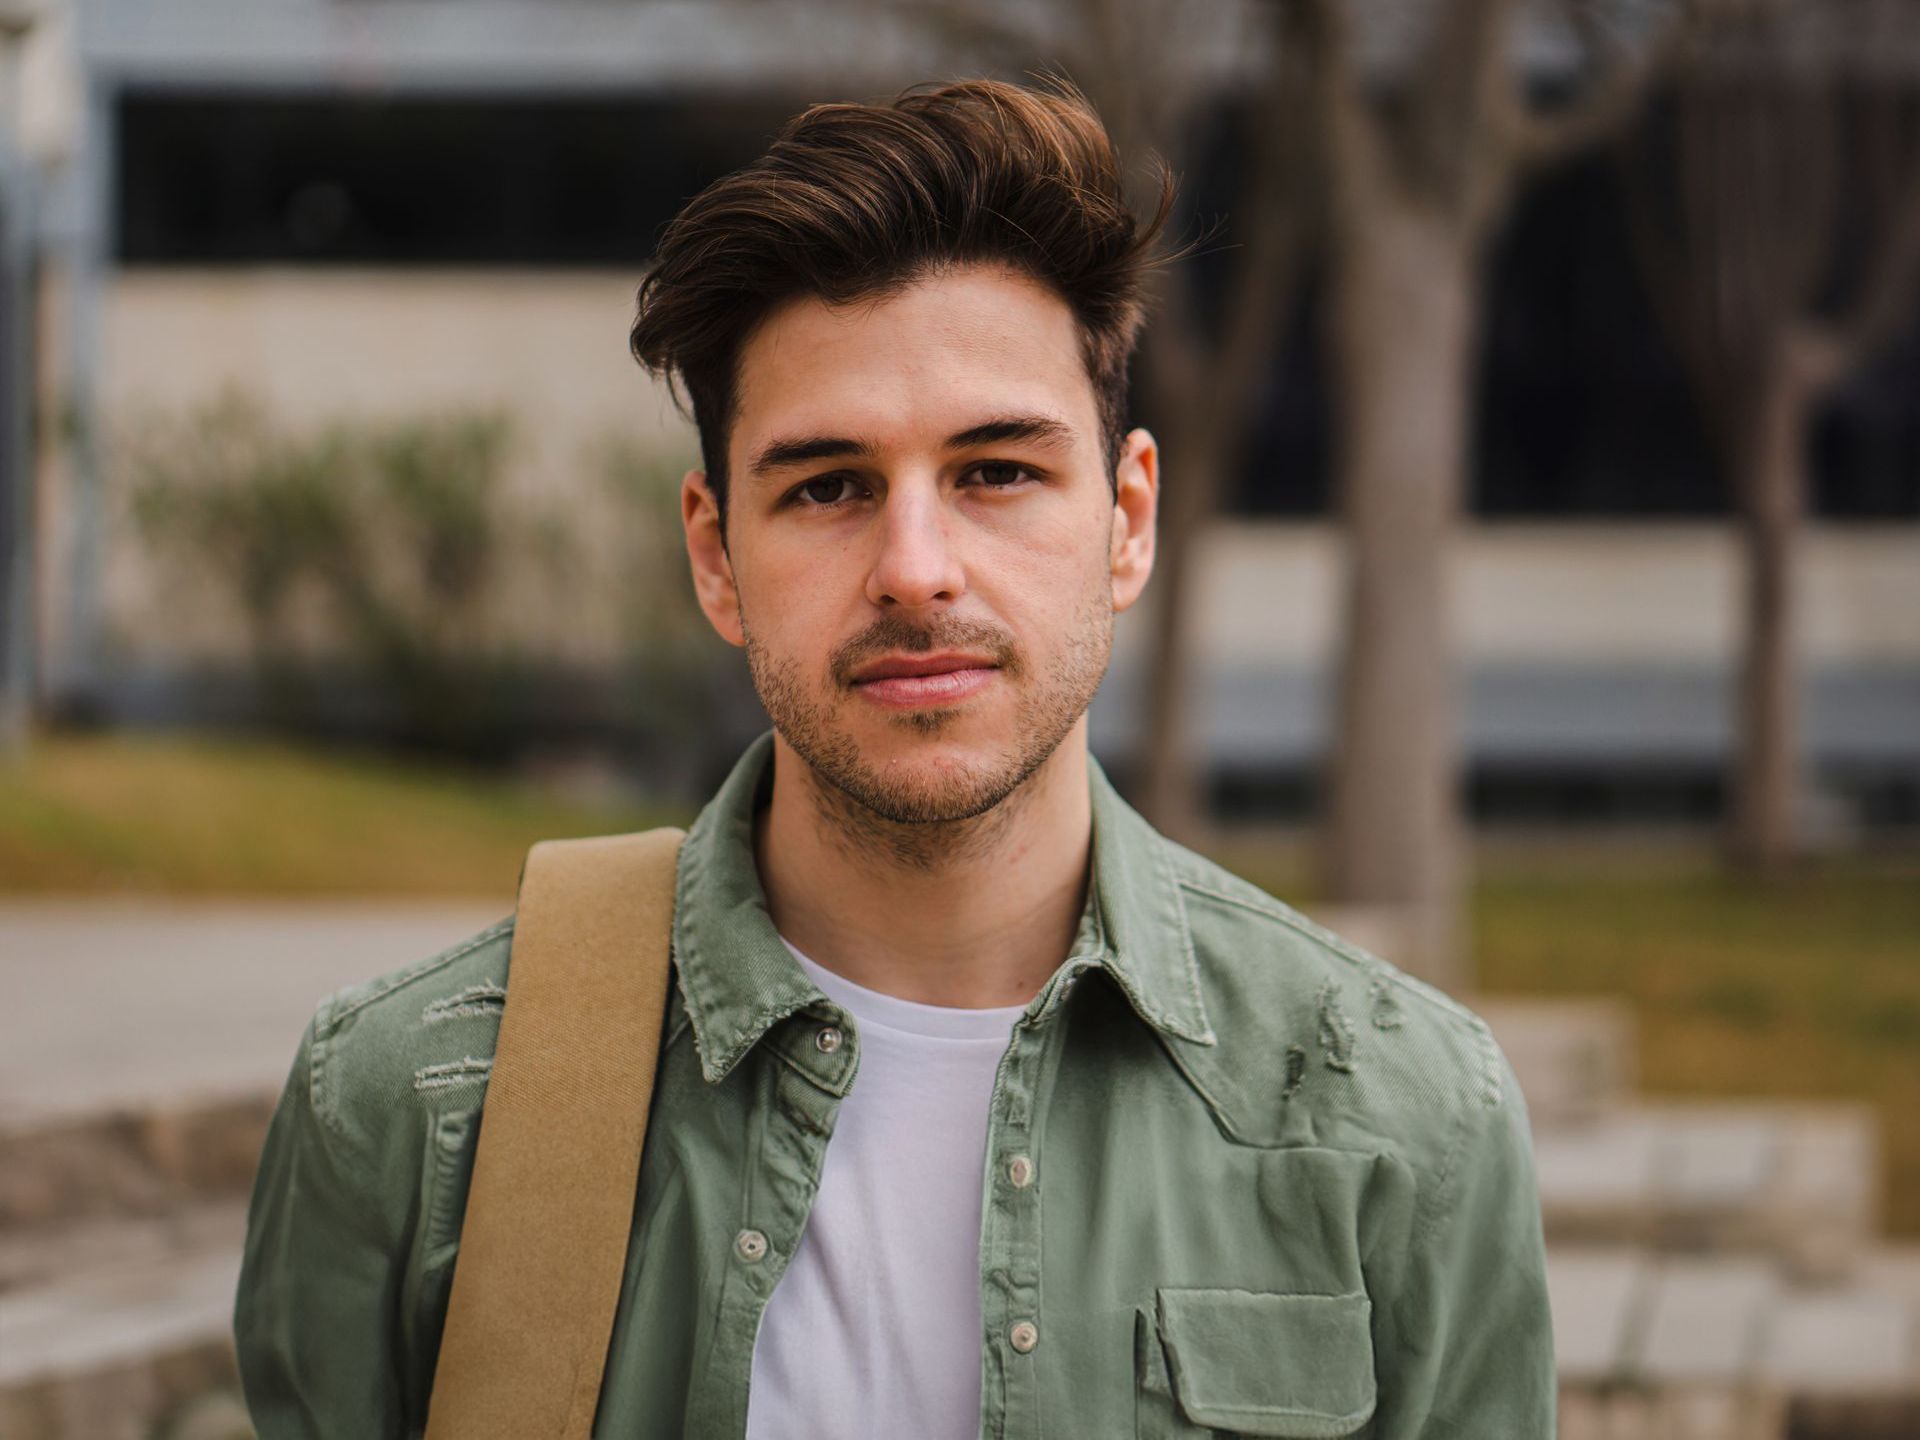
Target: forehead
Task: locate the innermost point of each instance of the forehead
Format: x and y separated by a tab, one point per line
965	342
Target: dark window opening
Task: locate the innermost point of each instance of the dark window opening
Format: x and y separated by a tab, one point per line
216	179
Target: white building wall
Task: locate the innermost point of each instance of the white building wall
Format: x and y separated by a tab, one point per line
548	349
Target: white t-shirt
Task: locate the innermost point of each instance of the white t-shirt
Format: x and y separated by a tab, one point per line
874	1330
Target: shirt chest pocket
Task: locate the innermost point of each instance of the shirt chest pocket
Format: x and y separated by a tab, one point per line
1242	1362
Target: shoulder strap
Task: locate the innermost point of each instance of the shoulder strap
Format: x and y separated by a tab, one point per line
544	1242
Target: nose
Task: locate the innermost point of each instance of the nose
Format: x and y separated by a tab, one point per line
917	564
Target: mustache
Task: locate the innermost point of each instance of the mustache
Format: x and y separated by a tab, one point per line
891	633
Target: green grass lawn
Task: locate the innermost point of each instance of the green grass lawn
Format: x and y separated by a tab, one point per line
219	816
1809	986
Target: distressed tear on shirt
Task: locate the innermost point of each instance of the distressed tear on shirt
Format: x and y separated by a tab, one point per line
485	998
1296	1071
1337	1032
451	1072
1386	1005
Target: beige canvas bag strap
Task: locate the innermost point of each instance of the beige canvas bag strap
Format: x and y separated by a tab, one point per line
544	1242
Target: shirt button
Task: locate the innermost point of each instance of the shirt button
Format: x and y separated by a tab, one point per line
1024	1336
1020	1172
827	1039
752	1246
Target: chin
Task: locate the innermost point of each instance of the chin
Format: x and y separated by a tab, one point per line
916	774
961	739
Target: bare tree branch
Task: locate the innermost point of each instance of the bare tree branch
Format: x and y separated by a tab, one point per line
1536	140
1463	87
1665	263
1277	228
1884	300
1357	172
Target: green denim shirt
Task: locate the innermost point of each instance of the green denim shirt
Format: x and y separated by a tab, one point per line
1269	1184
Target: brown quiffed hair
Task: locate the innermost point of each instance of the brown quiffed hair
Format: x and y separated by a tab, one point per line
855	202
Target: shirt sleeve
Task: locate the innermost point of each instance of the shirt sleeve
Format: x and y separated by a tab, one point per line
314	1316
1482	1363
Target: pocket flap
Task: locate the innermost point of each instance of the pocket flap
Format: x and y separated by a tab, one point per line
1270	1364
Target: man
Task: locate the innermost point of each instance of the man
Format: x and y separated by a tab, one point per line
981	1107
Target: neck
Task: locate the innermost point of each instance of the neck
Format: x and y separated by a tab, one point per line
969	913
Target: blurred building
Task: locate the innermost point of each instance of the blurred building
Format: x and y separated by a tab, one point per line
393	205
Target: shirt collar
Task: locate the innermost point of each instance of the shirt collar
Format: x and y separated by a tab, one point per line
738	979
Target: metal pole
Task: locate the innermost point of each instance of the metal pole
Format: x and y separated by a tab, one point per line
74	666
18	587
17	524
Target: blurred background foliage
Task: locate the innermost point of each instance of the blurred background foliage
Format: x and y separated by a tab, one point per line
395	590
394	531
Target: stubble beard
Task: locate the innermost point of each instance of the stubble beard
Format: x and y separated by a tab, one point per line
917	820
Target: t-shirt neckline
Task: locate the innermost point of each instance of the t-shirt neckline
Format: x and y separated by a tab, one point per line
890	1012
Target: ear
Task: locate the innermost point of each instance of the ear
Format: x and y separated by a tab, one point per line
707	552
1136	503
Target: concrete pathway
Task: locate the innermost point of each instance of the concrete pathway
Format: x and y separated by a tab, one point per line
110	1003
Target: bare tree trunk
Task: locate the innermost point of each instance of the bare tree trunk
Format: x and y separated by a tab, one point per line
1417	175
1203	395
1769	453
1402	338
1170	792
1740	208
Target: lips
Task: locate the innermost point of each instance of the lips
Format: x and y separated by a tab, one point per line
905	681
894	667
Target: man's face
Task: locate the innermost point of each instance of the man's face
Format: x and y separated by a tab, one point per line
923	554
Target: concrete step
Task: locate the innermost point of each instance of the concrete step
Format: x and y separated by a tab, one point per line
1795	1180
1729	1348
1573	1057
39	1255
129	1161
1680	1414
118	1330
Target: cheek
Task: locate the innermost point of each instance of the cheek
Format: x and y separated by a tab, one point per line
794	602
1057	543
770	579
1069	547
1046	580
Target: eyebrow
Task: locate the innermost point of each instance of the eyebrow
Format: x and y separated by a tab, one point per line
1034	429
782	454
801	450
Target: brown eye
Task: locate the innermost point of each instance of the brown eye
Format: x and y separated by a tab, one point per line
999	474
825	489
